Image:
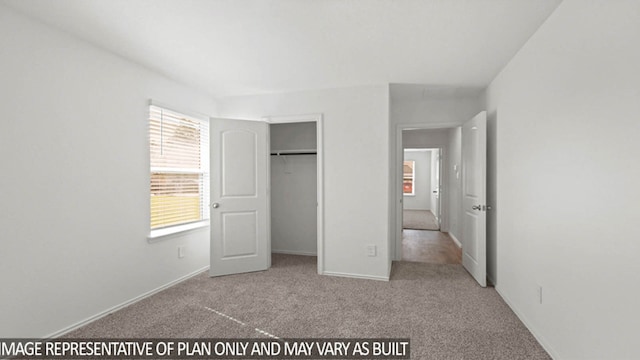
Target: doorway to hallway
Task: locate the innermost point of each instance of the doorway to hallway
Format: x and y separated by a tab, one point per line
428	194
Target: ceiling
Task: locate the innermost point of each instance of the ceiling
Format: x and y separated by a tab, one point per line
236	47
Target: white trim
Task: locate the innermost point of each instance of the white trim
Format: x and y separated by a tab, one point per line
420	149
193	114
294	252
357	276
124	304
282	119
455	240
319	120
541	339
167	170
155	235
491	279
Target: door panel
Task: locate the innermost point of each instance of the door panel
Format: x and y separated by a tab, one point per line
239	149
239	195
474	163
239	225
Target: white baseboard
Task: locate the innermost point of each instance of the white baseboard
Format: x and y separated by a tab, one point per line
356	276
124	304
545	344
455	240
294	252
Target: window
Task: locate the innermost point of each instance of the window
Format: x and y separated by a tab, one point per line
408	177
179	151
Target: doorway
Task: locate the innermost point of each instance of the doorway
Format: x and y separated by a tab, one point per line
422	238
429	192
293	188
296	186
464	205
421	189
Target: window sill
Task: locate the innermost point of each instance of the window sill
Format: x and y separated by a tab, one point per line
155	235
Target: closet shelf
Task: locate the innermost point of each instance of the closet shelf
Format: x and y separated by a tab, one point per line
294	152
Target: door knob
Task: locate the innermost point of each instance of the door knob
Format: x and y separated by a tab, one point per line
476	207
215	205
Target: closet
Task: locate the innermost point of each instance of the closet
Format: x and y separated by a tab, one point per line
293	188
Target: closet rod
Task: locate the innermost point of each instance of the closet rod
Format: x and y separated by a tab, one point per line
294	153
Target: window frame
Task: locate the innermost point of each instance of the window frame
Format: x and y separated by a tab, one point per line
203	170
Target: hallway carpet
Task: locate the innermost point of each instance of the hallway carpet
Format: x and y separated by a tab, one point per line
439	307
419	220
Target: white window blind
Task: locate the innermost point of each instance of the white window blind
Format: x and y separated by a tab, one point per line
179	150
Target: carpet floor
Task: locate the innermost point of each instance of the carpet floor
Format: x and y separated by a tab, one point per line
439	307
419	220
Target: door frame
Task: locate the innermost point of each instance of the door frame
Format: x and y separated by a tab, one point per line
318	119
441	186
397	196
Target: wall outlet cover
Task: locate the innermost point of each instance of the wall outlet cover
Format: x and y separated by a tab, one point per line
371	250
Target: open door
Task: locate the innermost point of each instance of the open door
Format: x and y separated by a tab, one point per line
239	196
474	194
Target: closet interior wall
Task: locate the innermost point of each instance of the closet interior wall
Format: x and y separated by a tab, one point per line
293	188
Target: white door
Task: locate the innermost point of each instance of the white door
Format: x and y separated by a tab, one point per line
474	194
239	197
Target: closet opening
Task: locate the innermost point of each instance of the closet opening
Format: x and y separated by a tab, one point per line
295	179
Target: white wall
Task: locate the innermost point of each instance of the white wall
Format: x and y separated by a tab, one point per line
293	204
74	190
355	159
425	138
442	106
293	136
566	112
421	200
454	182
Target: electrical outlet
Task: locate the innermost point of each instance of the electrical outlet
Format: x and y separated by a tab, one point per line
371	250
181	251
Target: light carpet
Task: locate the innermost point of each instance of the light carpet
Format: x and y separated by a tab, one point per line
439	307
